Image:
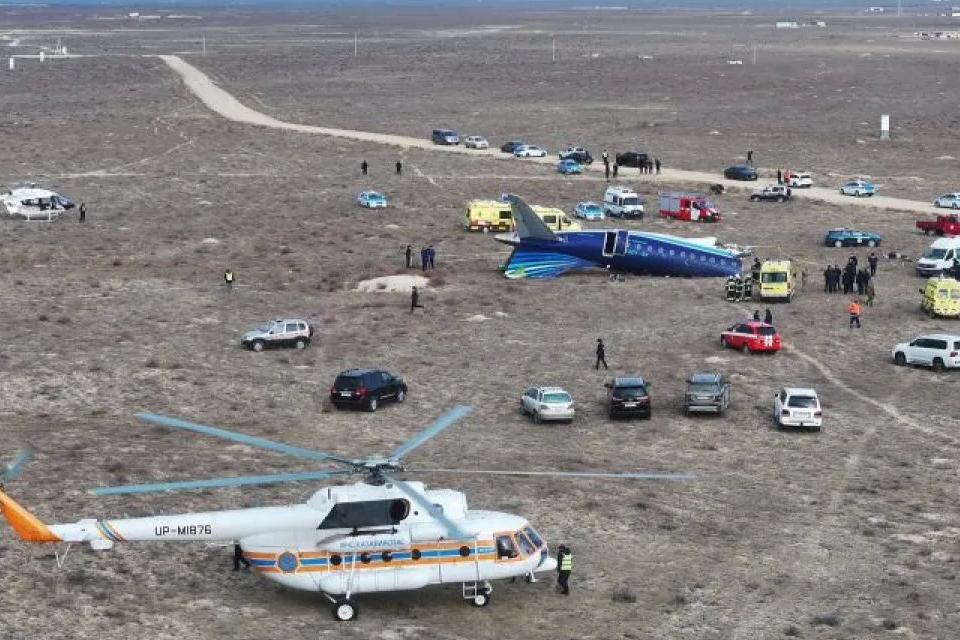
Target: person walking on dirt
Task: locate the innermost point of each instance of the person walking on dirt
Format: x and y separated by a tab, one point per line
871	293
83	212
756	315
768	317
431	255
605	158
399	168
415	300
601	355
238	557
854	310
606	170
408	254
872	261
750	158
656	163
363	167
779	176
228	280
828	279
615	169
423	259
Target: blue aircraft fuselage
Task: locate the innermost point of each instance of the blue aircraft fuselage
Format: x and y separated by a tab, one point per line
620	250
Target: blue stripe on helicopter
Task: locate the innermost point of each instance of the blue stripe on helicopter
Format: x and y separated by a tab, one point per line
425	554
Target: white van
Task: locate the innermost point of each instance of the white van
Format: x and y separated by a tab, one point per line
939	257
621	202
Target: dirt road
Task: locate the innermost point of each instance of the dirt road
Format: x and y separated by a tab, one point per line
229	107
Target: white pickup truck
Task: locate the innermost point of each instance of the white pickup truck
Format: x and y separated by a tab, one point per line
771	192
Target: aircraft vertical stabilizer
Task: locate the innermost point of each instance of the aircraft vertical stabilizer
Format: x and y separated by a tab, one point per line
529	224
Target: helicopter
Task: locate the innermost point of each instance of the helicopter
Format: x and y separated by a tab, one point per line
381	534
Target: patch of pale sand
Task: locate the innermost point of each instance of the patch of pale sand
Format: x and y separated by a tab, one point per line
402	283
477	318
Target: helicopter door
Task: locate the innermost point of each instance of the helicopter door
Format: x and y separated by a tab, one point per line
609	242
621	245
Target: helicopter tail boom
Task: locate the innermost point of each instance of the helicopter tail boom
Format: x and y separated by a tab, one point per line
26	525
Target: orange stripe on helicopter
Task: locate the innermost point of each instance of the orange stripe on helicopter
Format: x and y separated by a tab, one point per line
25	524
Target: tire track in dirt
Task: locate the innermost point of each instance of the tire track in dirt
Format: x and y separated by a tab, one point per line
809	556
225	104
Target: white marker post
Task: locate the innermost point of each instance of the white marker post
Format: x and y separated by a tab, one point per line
354	44
884	127
41	56
553	47
13	63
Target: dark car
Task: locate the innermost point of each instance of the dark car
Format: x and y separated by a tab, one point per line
366	389
740	172
511	146
707	392
628	396
632	159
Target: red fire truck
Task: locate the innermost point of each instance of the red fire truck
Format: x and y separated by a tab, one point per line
688	206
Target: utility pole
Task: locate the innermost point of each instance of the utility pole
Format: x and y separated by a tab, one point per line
754	53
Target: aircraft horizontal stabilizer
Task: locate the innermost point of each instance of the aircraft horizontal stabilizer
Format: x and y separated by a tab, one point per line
536	263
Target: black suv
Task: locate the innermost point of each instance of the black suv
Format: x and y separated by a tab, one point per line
511	145
628	396
366	389
632	159
577	154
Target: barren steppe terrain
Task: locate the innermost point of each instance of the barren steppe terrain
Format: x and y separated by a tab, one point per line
851	533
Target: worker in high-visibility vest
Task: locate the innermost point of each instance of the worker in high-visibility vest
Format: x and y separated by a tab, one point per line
564	567
854	309
228	279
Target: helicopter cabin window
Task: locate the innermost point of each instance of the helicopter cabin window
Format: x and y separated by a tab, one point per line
525	546
506	549
371	513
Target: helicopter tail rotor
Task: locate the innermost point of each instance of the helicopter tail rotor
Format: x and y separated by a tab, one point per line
15	467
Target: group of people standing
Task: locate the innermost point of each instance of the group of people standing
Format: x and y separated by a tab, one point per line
648	167
852	277
428	256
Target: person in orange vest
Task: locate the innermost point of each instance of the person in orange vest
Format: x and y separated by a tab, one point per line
854	309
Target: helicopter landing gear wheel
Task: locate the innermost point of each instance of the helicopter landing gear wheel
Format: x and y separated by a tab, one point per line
477	593
480	600
345	610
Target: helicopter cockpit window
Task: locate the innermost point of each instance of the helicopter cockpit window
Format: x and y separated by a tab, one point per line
505	548
525	546
534	537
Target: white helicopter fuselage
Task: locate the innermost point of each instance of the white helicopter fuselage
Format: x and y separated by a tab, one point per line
347	539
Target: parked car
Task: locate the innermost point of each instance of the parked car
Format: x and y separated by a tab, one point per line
635	159
751	336
937	350
948	200
372	200
708	392
740	172
476	142
511	146
858	188
797	407
800	180
366	389
529	151
581	155
588	211
445	136
771	193
547	403
628	396
844	237
569	167
287	332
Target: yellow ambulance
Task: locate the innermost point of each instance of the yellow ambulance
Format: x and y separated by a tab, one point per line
495	215
777	280
941	297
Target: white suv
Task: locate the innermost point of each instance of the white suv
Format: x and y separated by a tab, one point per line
476	142
797	407
801	180
547	403
937	350
289	332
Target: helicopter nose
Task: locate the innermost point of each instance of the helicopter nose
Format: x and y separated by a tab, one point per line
546	563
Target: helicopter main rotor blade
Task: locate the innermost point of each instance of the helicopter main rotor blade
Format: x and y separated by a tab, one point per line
15	466
448	418
242	438
454	531
630	475
213	483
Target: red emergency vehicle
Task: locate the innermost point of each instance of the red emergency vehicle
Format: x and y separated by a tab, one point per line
688	206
